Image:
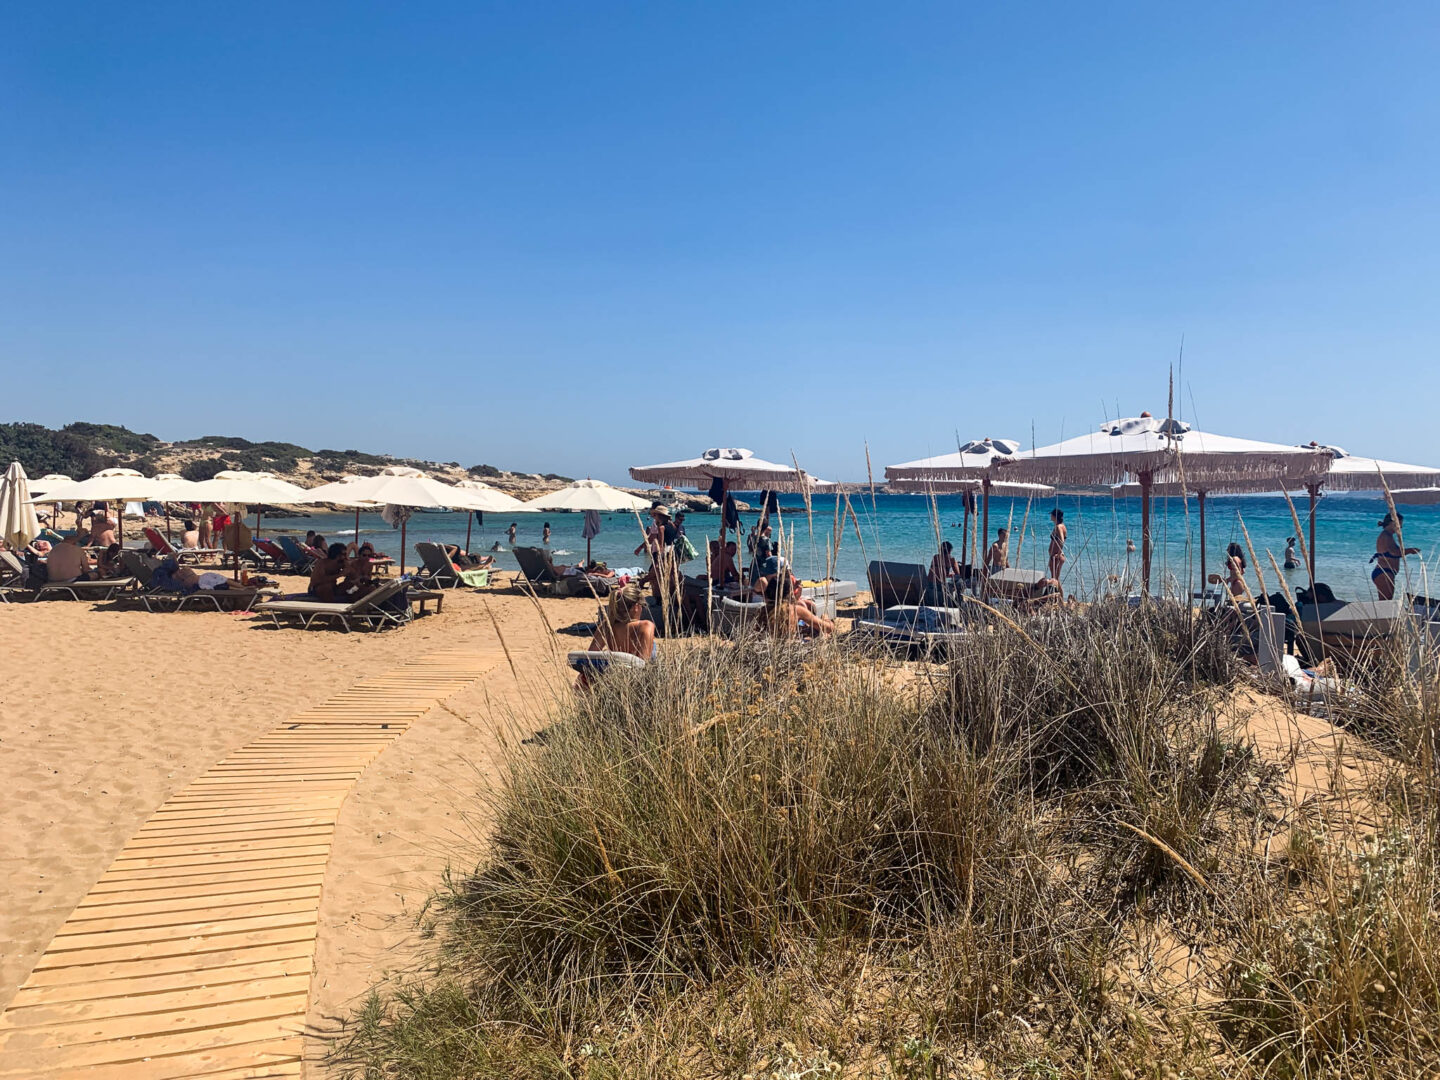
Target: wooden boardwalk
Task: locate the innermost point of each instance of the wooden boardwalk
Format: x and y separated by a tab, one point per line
192	954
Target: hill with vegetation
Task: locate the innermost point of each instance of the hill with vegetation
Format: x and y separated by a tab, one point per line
82	449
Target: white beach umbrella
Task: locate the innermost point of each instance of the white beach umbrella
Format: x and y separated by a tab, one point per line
482	498
18	523
164	480
1350	472
107	485
401	486
1146	448
594	496
46	482
1416	496
237	488
972	467
737	468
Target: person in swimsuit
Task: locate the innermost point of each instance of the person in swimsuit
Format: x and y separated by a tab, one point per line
325	573
943	566
624	627
1235	569
1388	556
1292	559
511	533
545	535
789	618
998	557
1057	543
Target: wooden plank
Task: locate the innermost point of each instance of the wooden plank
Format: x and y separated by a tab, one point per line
153	909
191	956
138	986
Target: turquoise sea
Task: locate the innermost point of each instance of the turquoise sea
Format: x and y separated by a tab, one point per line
903	528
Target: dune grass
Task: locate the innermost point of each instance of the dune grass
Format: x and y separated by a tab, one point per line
780	860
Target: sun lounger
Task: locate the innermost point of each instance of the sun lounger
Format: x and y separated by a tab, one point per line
104	589
737	616
1343	621
300	557
1013	584
826	595
374	610
438	570
538	571
598	662
895	584
13	572
914	627
196	556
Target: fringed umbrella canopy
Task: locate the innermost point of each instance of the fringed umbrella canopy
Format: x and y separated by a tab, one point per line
739	468
1170	449
1416	496
487	499
1349	472
1147	449
972	461
48	481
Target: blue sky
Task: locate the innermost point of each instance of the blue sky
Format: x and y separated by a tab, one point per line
575	237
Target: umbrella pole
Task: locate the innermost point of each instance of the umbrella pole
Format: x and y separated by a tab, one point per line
984	544
167	522
1204	577
469	522
1313	490
1146	479
357	529
965	527
403	523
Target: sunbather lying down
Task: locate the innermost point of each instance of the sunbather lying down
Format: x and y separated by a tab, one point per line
464	560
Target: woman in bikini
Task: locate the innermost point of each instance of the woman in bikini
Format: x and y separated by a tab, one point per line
1388	556
1057	543
790	617
1235	569
624	627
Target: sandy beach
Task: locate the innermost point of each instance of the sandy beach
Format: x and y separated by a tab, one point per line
104	714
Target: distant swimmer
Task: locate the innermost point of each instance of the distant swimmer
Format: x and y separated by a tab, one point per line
1292	559
1129	546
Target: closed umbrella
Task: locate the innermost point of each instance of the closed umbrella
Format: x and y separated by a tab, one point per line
1146	448
18	523
593	495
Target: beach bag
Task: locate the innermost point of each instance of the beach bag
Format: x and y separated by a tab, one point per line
684	550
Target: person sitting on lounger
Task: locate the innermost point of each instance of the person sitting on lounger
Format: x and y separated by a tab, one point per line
68	561
102	527
190	537
944	567
721	566
325	573
788	616
624	627
108	563
998	557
